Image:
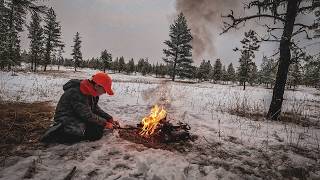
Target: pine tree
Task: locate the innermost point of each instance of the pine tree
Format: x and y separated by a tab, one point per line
145	67
204	70
294	75
250	44
231	73
121	65
179	54
52	31
253	74
156	70
36	41
13	17
243	70
115	65
106	60
162	70
60	58
217	71
267	72
130	66
140	65
3	34
76	52
200	74
312	72
224	74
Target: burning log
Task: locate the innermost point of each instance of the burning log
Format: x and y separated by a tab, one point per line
155	131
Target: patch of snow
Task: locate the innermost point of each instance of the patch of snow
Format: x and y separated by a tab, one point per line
229	146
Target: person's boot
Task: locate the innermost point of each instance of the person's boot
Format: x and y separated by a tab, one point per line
50	136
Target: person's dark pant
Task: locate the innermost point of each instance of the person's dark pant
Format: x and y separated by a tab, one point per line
93	132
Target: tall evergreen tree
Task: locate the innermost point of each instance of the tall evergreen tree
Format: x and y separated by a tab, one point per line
76	52
217	71
60	57
224	74
162	70
140	65
294	75
3	34
52	31
115	65
130	66
145	67
312	72
179	52
231	73
250	44
253	74
157	70
121	65
36	41
106	60
267	72
14	17
204	70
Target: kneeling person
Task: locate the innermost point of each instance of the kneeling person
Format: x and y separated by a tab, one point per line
78	116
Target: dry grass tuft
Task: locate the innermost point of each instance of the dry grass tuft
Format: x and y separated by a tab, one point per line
21	126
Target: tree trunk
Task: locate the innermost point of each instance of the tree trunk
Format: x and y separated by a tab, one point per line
11	34
174	71
284	62
32	60
244	85
174	66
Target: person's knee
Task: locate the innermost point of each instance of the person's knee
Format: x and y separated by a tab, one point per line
95	136
94	133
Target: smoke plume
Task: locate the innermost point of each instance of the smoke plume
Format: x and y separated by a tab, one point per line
204	19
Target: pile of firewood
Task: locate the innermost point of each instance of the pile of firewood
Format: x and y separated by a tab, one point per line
166	136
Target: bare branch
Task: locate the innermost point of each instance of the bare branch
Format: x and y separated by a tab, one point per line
269	29
302	31
312	26
268	39
308	8
276	53
237	21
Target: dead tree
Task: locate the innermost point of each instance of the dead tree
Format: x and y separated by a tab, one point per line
283	13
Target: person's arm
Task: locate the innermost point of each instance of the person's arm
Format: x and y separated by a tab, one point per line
83	110
109	118
98	111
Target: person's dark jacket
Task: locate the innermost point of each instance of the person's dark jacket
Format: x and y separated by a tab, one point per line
76	110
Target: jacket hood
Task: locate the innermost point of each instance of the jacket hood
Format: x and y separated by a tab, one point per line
73	83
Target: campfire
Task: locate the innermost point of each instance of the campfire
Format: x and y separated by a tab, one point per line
151	122
156	131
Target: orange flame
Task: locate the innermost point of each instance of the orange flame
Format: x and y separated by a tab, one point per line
150	122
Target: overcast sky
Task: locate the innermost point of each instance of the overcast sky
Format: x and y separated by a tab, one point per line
137	28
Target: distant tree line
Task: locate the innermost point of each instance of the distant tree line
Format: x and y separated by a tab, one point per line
47	48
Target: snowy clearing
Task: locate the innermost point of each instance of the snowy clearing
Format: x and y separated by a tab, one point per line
229	146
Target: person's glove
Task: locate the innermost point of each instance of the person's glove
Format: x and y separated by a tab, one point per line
108	125
111	123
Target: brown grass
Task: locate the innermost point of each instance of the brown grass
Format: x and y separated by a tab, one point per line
21	126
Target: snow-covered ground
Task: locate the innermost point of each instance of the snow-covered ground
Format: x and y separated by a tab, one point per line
228	147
